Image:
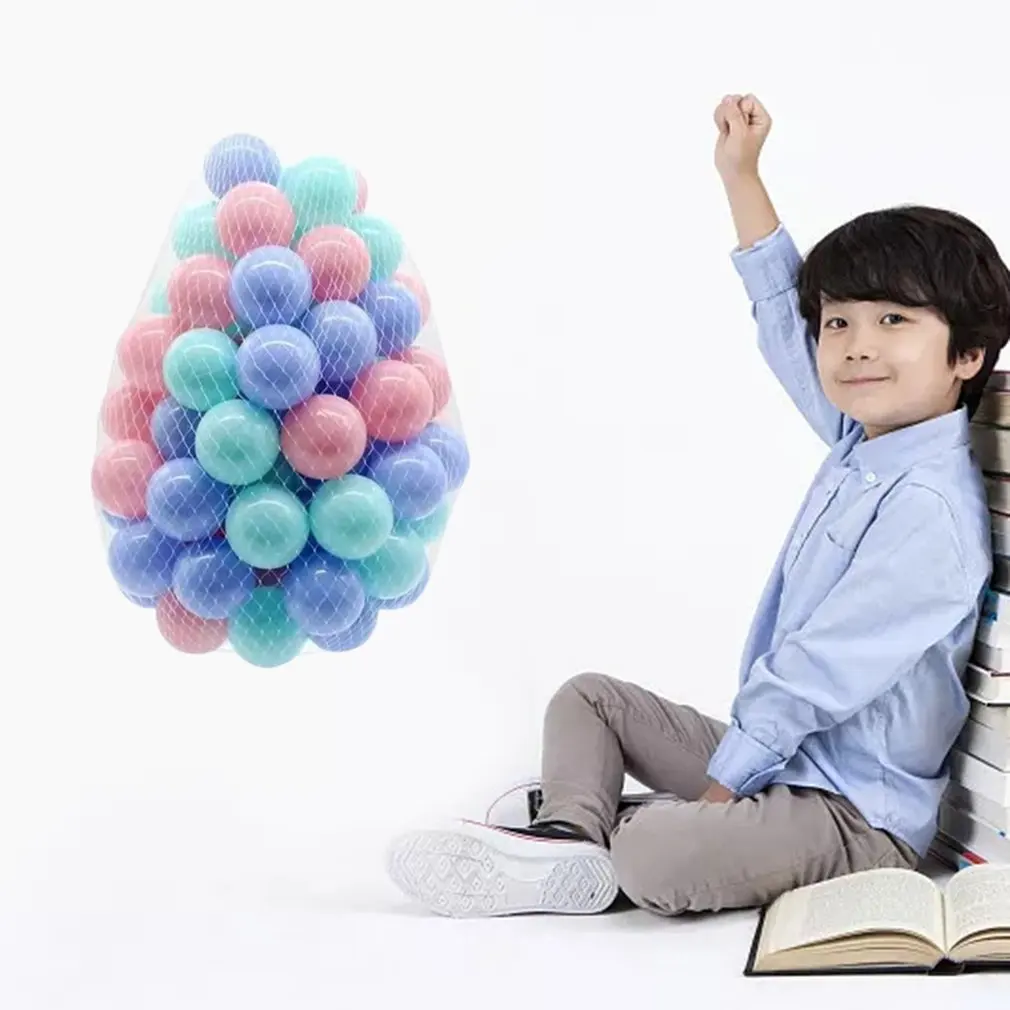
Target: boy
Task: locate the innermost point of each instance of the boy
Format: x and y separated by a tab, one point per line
850	695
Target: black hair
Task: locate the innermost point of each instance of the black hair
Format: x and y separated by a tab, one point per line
919	257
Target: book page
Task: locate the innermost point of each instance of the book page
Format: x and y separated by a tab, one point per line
977	898
870	901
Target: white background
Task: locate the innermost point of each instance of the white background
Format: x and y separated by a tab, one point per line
194	832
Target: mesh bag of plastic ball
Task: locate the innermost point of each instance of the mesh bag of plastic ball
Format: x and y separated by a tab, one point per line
279	448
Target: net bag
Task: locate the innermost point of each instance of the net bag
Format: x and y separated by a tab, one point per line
279	447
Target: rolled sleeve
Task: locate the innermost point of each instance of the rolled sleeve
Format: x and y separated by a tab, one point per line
742	764
769	266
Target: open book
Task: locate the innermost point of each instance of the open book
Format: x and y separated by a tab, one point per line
887	920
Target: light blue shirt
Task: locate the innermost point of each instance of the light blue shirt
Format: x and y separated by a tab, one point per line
851	676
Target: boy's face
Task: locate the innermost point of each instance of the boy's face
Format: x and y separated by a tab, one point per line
885	365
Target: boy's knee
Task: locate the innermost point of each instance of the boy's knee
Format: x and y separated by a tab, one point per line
583	686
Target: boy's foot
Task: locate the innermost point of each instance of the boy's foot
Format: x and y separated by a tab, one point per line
474	869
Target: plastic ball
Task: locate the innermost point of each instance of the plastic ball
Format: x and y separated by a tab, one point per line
395	568
323	437
345	337
195	232
385	247
269	285
198	293
237	442
414	478
394	399
200	369
142	559
184	502
239	158
408	598
173	429
186	631
321	190
395	312
126	413
116	522
450	448
278	367
351	517
254	214
412	281
338	260
362	199
211	580
430	527
434	370
159	303
322	594
284	474
146	602
120	474
355	636
262	632
141	352
267	526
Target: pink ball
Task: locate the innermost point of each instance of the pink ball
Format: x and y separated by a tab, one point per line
362	193
120	475
432	367
338	260
126	413
252	214
185	631
414	283
323	437
394	399
198	294
141	351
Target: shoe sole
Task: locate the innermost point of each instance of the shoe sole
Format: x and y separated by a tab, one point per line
481	870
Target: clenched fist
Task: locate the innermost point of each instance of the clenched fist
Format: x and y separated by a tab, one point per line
744	125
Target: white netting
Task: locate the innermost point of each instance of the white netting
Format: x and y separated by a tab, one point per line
279	447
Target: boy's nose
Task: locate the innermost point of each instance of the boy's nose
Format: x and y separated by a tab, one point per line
861	346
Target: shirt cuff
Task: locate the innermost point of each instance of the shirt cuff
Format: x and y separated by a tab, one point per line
743	764
769	266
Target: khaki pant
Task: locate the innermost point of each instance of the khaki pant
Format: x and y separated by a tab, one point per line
673	856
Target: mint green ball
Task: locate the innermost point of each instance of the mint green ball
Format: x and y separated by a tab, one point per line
395	568
200	369
195	232
266	526
159	301
383	241
431	527
284	474
321	191
351	517
237	442
262	632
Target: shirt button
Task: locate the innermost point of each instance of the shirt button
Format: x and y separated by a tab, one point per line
871	477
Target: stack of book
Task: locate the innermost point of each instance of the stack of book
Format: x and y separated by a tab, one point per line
975	814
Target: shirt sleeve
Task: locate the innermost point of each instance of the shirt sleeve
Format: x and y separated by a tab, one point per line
770	269
905	591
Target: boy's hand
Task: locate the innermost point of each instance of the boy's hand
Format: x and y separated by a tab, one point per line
717	793
744	125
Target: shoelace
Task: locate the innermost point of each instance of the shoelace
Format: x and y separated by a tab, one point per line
525	786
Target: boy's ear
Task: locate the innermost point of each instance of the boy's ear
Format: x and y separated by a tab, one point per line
969	363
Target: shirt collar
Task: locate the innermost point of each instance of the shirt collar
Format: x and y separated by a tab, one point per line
899	450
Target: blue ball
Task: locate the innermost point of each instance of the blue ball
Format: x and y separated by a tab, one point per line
395	312
143	558
239	158
211	581
118	522
356	635
322	594
450	448
399	602
147	602
184	502
173	429
412	475
270	285
278	367
346	339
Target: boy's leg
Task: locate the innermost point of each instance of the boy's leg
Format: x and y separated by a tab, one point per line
596	728
673	857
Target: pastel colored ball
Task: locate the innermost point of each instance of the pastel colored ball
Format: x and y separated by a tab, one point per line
434	370
338	260
451	449
355	636
430	527
362	200
323	437
394	399
159	303
200	369
173	429
278	367
211	580
412	281
385	246
239	158
237	442
345	337
267	526
394	311
185	502
198	293
186	631
195	232
142	559
351	517
395	568
410	597
254	214
269	285
120	475
414	479
262	631
322	191
145	602
284	474
141	352
126	413
322	594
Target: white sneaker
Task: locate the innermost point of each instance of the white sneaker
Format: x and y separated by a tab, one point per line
473	869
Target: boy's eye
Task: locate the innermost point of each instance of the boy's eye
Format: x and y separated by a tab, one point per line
837	319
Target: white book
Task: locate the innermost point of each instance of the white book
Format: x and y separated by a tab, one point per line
997	488
1000	573
988	678
985	743
984	809
977	836
996	717
991	446
974	774
993	408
